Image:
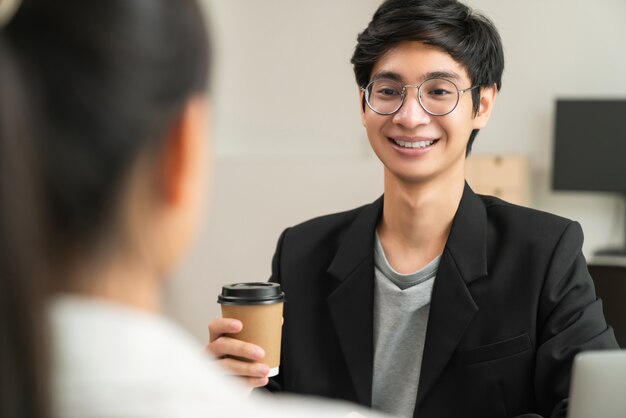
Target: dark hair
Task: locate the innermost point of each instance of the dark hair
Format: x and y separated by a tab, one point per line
23	342
107	79
469	37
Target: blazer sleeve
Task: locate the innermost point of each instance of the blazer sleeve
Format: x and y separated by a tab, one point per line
571	320
275	383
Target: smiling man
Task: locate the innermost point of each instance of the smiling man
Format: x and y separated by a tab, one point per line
432	301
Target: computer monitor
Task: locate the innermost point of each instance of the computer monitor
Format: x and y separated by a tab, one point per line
590	147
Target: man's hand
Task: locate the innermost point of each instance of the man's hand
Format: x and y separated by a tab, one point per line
237	357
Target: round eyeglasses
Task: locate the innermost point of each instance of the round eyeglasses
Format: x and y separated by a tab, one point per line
437	96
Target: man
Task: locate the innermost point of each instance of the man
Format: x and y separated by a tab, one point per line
431	301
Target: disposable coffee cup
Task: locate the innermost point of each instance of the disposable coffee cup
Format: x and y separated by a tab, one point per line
259	306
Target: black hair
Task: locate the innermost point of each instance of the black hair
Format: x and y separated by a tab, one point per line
107	78
23	286
467	36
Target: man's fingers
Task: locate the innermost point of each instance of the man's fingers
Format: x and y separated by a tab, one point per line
225	346
244	368
256	382
221	326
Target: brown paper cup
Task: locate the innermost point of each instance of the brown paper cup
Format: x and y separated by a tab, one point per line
259	306
262	325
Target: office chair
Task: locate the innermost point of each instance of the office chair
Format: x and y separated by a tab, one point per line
610	284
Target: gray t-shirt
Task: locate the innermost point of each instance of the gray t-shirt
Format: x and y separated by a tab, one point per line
401	306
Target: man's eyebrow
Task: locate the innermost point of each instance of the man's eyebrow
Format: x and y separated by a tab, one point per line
441	74
388	75
433	74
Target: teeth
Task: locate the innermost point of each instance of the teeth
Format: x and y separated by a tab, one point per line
418	144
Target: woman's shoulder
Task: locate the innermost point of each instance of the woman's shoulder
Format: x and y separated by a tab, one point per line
110	360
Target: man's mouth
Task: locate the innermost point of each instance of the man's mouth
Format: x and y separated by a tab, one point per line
412	144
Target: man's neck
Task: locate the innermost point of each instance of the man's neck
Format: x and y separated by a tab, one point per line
416	220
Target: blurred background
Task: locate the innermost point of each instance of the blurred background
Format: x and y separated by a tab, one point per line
289	144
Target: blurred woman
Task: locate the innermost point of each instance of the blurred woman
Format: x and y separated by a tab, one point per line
113	93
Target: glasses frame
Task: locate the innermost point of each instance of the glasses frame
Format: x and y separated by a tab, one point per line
419	95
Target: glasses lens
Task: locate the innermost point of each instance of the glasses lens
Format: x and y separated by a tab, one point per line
439	96
384	96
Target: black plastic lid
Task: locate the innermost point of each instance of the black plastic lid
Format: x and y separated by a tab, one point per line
261	293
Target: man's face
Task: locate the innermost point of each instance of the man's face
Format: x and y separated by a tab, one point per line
443	139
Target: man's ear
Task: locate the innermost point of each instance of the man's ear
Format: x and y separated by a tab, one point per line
178	154
487	100
362	104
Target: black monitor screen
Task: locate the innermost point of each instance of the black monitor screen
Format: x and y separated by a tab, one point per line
590	145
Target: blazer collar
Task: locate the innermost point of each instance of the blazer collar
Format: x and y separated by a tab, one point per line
452	307
467	242
351	304
358	243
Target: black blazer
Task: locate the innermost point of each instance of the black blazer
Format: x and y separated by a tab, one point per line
512	304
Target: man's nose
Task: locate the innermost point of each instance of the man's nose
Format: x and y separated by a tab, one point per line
411	113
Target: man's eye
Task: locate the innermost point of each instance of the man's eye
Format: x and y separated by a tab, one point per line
388	92
439	92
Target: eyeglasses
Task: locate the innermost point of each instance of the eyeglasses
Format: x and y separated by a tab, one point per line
437	96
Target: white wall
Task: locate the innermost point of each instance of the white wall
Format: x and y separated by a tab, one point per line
289	142
284	84
557	49
254	200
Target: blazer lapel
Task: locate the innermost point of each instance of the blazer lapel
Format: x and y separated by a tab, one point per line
351	304
452	307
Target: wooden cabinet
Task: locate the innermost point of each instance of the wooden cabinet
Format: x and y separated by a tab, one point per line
610	285
504	176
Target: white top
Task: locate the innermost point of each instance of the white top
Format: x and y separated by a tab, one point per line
113	361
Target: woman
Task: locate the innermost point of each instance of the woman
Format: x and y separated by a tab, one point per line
117	107
116	99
